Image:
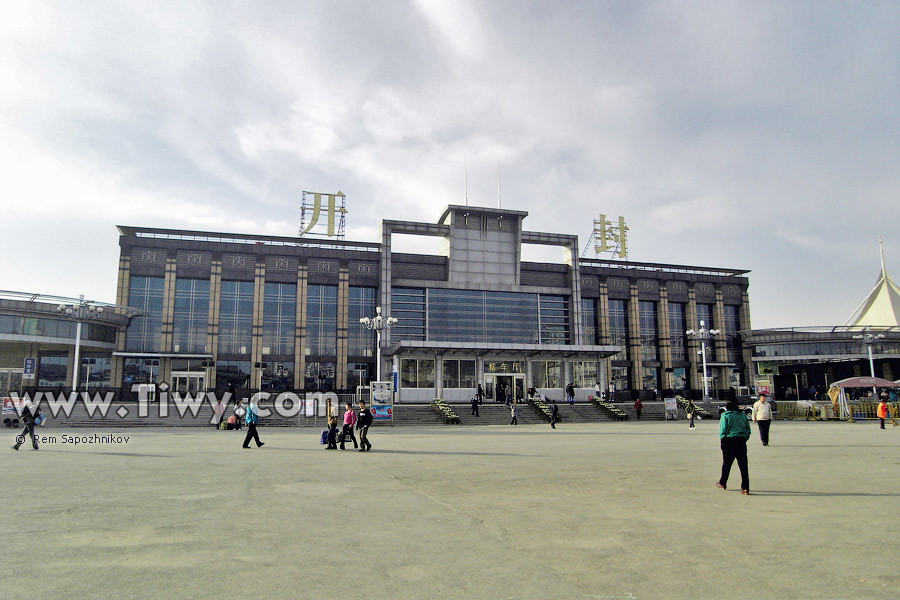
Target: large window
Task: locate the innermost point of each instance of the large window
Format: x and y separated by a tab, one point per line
140	370
235	317
232	371
705	314
620	378
649	330
320	376
732	327
321	320
408	307
588	321
677	327
546	373
584	374
52	369
95	370
361	339
279	319
554	319
417	372
618	327
143	333
477	316
459	373
191	314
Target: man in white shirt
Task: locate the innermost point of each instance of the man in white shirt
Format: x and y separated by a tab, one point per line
762	416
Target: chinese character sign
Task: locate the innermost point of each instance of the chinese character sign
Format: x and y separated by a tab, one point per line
312	210
609	237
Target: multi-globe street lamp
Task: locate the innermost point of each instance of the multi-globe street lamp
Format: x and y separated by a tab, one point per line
870	339
378	323
704	335
80	312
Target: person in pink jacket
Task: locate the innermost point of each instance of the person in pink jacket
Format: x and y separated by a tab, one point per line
349	422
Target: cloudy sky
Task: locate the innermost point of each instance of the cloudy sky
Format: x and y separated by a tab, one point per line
753	135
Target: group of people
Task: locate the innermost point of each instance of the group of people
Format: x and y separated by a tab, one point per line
351	420
360	422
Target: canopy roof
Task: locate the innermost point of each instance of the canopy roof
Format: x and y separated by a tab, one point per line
863	382
881	308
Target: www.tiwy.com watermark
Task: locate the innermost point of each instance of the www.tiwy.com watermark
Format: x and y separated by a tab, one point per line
163	403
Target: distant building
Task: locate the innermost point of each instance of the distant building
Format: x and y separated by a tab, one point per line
267	312
794	360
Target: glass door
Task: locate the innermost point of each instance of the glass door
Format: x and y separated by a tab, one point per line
188	382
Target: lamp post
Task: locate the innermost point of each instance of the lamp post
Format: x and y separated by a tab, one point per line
379	324
869	339
704	335
81	311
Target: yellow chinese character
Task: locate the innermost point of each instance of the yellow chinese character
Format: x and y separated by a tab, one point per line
317	206
604	233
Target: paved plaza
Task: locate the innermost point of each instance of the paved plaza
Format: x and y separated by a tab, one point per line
614	510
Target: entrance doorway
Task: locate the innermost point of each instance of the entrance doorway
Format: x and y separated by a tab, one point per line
188	382
495	387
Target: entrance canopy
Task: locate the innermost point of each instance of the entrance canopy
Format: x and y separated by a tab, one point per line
864	382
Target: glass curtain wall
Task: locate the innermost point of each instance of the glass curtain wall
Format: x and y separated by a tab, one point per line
144	331
235	317
677	327
649	330
321	320
589	321
279	320
361	339
191	315
618	327
732	328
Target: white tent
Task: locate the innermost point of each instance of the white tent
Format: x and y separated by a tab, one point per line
881	308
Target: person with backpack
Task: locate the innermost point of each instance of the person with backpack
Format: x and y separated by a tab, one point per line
31	415
251	419
363	423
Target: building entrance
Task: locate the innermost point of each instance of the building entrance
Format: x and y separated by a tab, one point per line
495	387
188	382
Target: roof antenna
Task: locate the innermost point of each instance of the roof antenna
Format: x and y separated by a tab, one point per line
499	204
881	248
466	171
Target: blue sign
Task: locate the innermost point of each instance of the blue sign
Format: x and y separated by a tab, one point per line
28	371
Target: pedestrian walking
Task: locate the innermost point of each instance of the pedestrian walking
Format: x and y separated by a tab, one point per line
638	406
762	416
480	394
691	409
734	431
597	393
31	415
512	413
570	393
475	404
363	423
554	414
349	423
251	420
882	411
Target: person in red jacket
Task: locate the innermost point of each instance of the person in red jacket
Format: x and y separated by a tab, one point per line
638	405
882	411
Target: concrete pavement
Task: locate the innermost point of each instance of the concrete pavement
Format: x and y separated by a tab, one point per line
614	510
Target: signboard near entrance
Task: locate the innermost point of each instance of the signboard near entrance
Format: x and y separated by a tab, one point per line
382	401
28	370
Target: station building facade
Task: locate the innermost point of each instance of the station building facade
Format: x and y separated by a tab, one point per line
273	313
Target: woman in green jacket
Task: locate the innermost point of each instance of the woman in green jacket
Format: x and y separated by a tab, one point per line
734	431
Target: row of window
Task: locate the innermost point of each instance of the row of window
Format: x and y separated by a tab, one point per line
60	328
460	373
191	318
479	316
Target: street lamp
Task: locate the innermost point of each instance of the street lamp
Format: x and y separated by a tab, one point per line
378	323
869	339
81	312
704	335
